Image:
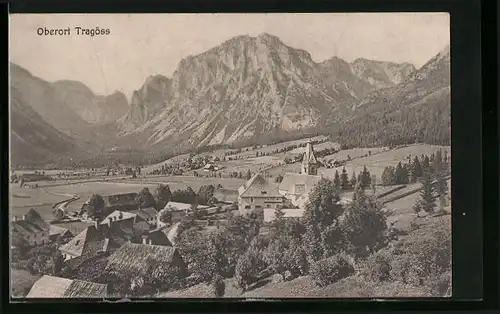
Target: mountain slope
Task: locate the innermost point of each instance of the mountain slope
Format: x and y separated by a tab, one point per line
381	74
33	141
248	88
416	110
68	106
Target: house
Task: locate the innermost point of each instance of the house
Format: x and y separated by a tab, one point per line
122	202
257	194
178	210
104	238
57	287
142	258
149	215
31	229
297	186
57	233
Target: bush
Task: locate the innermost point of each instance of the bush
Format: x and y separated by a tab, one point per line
246	270
378	267
327	271
219	286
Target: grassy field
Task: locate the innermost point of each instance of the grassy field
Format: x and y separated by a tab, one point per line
376	163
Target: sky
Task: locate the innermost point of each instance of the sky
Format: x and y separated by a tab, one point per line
140	45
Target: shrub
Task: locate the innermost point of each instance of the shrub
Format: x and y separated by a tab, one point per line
246	270
378	266
219	286
327	271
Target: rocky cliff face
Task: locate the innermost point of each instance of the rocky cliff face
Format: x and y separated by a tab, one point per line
246	88
380	74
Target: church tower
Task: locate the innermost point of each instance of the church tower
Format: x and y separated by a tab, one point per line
309	162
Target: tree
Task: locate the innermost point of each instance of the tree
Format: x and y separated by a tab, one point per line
57	263
399	176
245	273
427	197
416	170
373	182
163	195
248	176
353	181
322	210
344	180
95	206
336	180
441	188
426	164
145	199
205	193
388	176
364	224
165	216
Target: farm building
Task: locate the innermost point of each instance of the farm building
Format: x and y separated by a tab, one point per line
141	258
257	194
149	215
296	186
57	287
105	238
58	233
31	228
185	207
123	202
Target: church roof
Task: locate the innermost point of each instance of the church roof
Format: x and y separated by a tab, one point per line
291	180
309	156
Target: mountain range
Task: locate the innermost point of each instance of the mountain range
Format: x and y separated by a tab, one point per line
246	89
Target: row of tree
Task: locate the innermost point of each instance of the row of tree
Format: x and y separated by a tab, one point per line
364	179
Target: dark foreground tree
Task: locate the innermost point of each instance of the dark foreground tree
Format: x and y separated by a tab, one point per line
95	206
145	199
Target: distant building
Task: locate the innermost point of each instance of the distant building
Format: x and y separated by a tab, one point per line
139	258
58	287
297	186
257	194
31	229
270	214
178	211
75	227
227	197
149	215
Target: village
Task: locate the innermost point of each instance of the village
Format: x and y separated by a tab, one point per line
150	243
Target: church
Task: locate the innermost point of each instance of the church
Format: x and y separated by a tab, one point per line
296	186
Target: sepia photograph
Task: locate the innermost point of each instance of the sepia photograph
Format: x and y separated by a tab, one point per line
248	155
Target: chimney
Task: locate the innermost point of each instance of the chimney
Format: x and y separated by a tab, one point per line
25	217
150	242
96	224
109	221
14	218
144	239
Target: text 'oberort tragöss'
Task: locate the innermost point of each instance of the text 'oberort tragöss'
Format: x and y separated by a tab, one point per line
97	31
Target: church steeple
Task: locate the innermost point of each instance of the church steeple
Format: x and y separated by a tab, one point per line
309	162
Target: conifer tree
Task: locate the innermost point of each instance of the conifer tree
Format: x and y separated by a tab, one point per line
416	170
425	164
428	199
336	179
398	174
353	180
344	180
388	176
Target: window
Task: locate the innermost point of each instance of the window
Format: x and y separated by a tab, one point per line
268	205
258	206
77	242
300	188
251	200
263	192
247	206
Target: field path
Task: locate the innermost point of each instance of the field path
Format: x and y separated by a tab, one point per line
62	204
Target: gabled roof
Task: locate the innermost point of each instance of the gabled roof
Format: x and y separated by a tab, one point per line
119	215
58	287
146	213
291	180
159	237
75	227
257	186
59	231
31	225
226	196
138	258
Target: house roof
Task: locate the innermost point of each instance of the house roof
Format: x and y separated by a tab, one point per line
291	180
75	227
119	215
120	199
57	287
146	213
56	230
257	186
31	225
138	258
159	237
226	196
177	206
